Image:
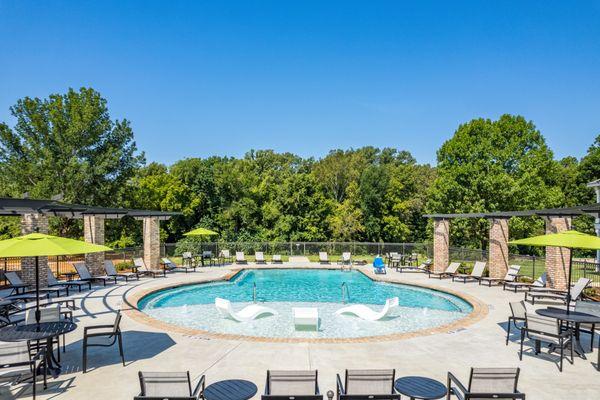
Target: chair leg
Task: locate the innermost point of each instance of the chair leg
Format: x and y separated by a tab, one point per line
562	350
65	342
508	333
522	340
84	355
121	348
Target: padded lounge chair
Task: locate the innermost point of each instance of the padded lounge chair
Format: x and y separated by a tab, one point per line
424	267
451	270
85	275
169	385
142	269
171	266
475	275
188	260
511	276
517	310
544	329
111	332
292	385
346	258
367	313
246	314
539	283
487	383
240	258
367	384
259	257
560	296
20	287
225	256
324	258
111	271
53	282
276	259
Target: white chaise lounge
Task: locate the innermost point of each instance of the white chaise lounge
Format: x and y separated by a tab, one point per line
246	314
367	313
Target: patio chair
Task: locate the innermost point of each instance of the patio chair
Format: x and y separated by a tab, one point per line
292	385
323	257
110	332
517	310
487	383
592	308
548	330
53	282
225	256
259	257
240	258
142	269
577	290
85	274
207	256
367	384
539	283
51	313
475	275
171	266
276	259
511	276
169	386
451	270
18	354
188	260
20	287
424	267
346	258
111	271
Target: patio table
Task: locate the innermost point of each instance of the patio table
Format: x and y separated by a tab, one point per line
420	387
230	389
571	317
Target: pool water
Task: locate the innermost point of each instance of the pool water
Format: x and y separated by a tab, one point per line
192	306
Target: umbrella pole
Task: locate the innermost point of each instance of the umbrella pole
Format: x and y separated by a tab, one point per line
569	279
37	291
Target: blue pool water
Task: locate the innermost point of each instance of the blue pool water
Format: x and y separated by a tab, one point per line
281	289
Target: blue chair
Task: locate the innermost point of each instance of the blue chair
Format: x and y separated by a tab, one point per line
379	266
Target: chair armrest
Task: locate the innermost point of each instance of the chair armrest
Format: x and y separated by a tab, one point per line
339	385
473	395
87	328
198	392
452	379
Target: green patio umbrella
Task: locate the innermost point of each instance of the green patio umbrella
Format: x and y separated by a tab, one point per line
200	232
567	239
42	245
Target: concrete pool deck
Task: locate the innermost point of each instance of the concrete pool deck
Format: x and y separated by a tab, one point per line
152	348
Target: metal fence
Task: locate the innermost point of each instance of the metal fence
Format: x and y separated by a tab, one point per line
586	269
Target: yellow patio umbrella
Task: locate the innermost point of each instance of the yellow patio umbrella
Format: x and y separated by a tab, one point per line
566	239
42	245
200	232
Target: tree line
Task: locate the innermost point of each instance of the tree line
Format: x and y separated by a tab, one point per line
67	144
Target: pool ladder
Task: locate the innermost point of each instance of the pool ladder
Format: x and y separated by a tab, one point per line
254	292
345	292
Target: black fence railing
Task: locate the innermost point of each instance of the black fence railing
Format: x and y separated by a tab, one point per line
586	269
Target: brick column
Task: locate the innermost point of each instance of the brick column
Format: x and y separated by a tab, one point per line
498	251
151	242
557	258
31	223
441	244
93	232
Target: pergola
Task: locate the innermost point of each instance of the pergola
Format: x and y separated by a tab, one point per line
34	215
556	219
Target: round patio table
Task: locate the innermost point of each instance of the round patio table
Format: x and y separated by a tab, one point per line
42	331
573	317
420	387
230	389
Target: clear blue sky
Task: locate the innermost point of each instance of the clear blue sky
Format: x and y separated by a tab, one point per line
218	78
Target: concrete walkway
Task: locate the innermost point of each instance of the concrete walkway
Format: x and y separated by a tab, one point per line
149	349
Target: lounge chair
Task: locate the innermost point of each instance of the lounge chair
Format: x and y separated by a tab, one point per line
110	332
323	257
19	287
292	385
171	266
379	266
53	282
487	383
85	275
367	384
560	296
592	308
142	269
259	257
511	276
169	385
367	313
475	275
240	258
225	256
517	310
188	260
424	267
111	271
246	314
346	258
539	283
276	259
544	329
17	354
451	270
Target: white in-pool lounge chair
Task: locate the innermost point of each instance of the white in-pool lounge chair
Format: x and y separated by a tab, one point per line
246	314
368	314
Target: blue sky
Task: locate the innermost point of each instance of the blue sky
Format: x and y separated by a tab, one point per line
220	78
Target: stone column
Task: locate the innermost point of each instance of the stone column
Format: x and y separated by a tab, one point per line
498	251
557	258
441	244
93	232
151	242
31	223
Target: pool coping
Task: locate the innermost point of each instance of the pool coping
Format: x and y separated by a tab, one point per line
130	309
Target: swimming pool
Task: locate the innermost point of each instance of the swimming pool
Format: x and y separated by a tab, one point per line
192	306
